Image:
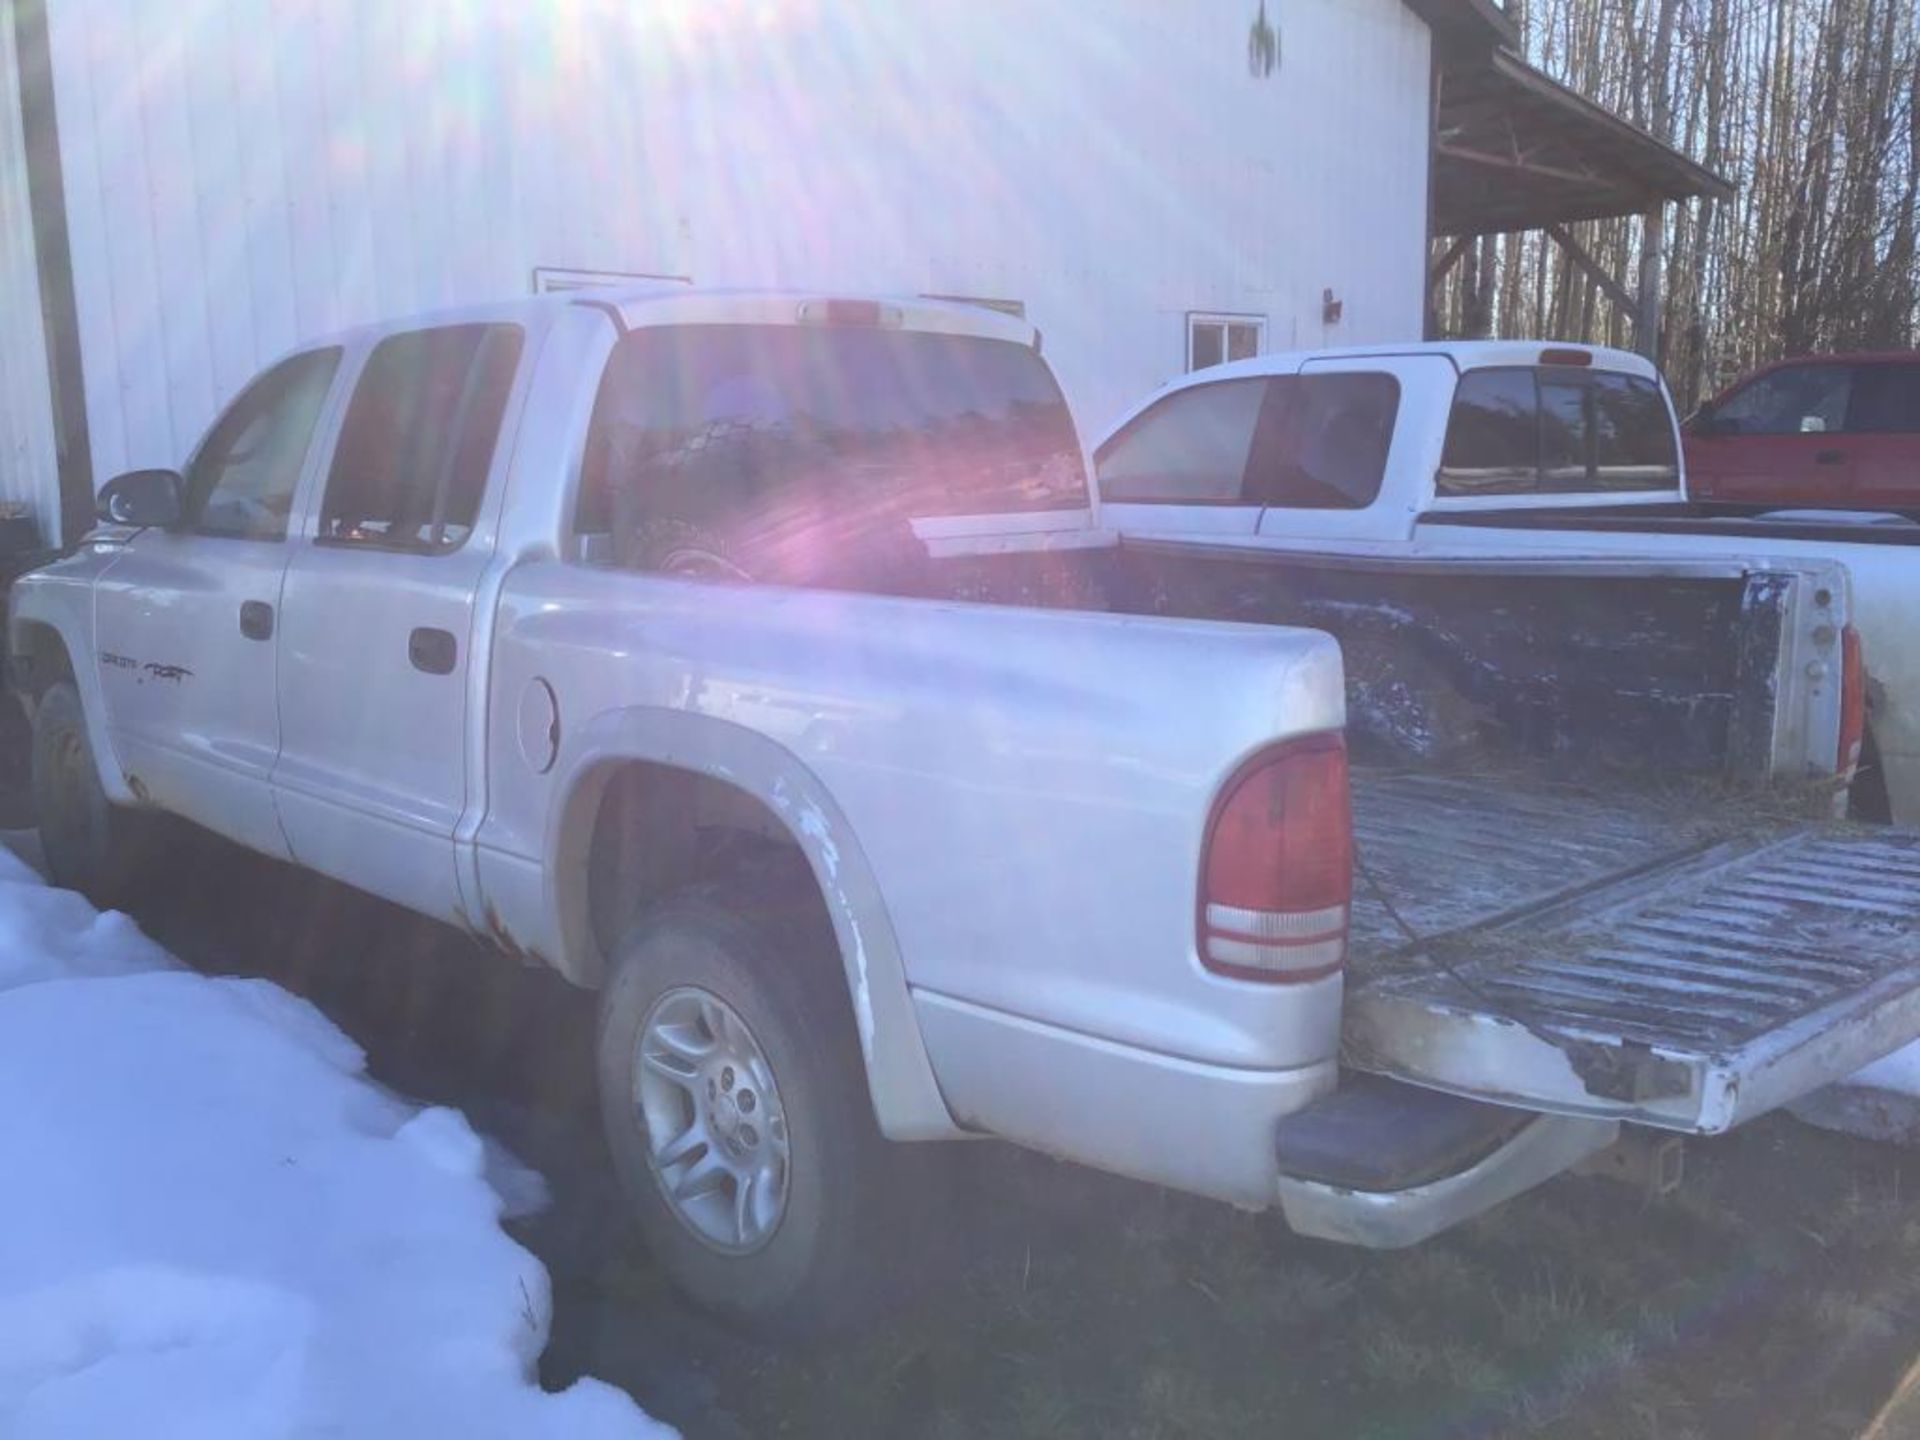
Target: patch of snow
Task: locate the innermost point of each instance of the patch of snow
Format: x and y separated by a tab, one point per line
213	1224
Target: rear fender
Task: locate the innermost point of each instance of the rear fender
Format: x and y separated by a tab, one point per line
906	1099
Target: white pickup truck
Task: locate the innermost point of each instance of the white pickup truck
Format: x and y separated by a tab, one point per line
459	610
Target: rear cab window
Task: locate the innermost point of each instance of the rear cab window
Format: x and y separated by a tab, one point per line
1557	431
803	454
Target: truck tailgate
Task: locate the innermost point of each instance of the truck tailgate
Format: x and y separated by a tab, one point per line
1603	955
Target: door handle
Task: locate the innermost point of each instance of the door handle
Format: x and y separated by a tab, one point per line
256	619
433	651
1829	457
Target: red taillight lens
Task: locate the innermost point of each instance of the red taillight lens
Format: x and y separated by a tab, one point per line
1853	700
1277	873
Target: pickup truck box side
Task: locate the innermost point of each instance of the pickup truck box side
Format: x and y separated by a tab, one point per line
910	733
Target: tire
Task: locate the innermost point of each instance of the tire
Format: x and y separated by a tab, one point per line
680	547
804	1254
91	845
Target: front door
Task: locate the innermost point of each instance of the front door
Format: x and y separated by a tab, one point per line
1779	440
186	621
376	649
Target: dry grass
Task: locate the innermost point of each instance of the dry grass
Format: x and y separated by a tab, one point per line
1779	1296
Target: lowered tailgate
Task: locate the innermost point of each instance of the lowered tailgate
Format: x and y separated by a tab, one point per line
1592	955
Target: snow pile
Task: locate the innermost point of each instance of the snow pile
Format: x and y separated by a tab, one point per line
213	1225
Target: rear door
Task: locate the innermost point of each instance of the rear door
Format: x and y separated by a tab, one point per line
1883	435
1778	440
187	620
378	615
1584	952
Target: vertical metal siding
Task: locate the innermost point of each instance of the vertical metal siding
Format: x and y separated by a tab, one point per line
244	174
29	464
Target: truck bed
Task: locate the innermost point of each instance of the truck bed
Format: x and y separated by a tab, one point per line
1649	957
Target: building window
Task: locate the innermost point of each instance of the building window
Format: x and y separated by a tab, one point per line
551	279
1217	339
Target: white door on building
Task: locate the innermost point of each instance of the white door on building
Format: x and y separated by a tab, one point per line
186	621
375	653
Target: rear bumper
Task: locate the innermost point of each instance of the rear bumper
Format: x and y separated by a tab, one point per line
1205	1129
1391	1219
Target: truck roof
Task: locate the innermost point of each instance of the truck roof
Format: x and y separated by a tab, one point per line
666	302
1463	354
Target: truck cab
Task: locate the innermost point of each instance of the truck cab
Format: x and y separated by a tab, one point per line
1812	433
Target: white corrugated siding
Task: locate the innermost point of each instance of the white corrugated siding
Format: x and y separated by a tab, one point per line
246	173
29	467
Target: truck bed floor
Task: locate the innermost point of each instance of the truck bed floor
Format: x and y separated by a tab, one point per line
1453	851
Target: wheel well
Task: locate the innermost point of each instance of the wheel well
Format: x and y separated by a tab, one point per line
40	658
658	829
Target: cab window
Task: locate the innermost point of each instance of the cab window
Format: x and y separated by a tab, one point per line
1793	400
1191	448
419	437
241	482
1304	442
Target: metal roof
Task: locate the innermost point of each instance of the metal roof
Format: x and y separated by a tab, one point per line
1467	21
1516	150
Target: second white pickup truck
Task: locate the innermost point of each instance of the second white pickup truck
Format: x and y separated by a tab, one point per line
637	634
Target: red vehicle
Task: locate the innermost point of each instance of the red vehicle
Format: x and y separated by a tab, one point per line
1826	431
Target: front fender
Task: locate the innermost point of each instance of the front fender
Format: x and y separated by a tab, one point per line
906	1099
64	605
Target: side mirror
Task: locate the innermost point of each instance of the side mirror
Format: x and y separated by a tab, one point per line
143	497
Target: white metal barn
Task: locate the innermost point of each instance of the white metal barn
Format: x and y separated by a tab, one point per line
187	190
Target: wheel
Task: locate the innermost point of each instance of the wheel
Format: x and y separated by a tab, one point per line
680	547
91	845
737	1112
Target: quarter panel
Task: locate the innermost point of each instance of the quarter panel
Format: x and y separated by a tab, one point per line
1030	788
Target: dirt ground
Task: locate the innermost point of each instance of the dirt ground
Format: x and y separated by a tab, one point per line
1778	1294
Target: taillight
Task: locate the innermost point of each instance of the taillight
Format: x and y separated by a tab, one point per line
1277	871
1853	700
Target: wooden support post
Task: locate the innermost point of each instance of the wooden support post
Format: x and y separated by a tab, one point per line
1448	259
1593	269
1652	268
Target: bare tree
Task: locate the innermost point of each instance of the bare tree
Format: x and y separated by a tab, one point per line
1812	109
